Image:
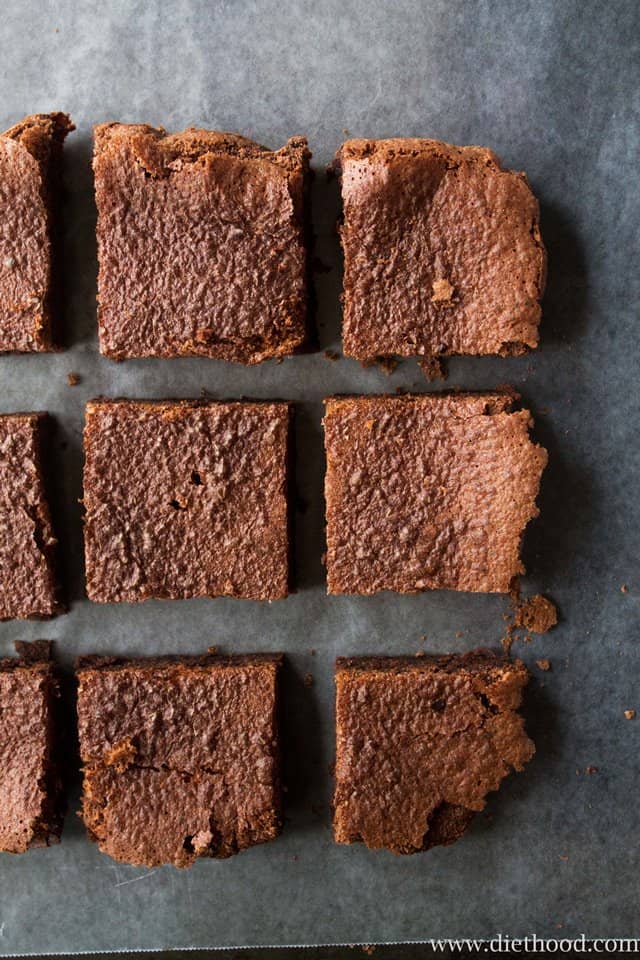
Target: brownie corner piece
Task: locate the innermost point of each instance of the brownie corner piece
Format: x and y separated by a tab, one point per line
30	155
180	756
202	244
187	499
420	742
31	801
28	583
428	492
442	249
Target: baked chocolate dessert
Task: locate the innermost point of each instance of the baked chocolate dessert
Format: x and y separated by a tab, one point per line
31	807
180	756
420	743
442	251
30	159
201	244
28	587
428	492
186	499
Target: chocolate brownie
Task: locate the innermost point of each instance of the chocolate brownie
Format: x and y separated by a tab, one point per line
31	808
420	743
201	243
428	492
180	757
30	156
186	499
28	587
442	251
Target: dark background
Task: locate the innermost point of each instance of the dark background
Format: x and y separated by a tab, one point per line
553	88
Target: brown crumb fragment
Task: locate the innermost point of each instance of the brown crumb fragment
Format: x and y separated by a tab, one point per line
332	355
564	857
543	664
442	291
432	368
368	948
73	379
387	364
537	614
121	756
624	588
590	769
629	714
308	679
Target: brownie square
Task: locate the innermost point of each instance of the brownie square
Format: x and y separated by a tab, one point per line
201	244
180	757
420	742
28	587
186	499
30	156
428	492
31	808
442	251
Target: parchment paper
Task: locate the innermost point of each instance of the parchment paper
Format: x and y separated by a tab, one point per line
553	88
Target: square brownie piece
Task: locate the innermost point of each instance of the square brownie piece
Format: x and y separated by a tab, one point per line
442	251
186	499
180	757
201	244
28	587
420	742
31	808
428	492
30	158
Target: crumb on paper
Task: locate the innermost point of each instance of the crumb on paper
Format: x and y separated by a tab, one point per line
212	649
590	769
624	588
332	355
368	948
459	634
564	857
73	378
432	368
442	291
420	653
312	652
543	664
629	714
401	391
387	364
537	614
308	679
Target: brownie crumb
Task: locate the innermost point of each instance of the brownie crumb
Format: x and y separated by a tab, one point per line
332	355
308	679
432	368
543	664
629	714
386	364
537	614
590	769
624	588
73	379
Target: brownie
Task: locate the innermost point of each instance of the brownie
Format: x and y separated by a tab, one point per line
420	743
30	155
31	808
428	492
201	243
180	756
28	586
186	499
442	251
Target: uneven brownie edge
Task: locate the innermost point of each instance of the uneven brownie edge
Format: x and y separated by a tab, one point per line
35	665
442	303
41	137
369	450
407	777
35	505
273	581
129	776
162	156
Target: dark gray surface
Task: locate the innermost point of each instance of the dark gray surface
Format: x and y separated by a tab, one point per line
552	87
